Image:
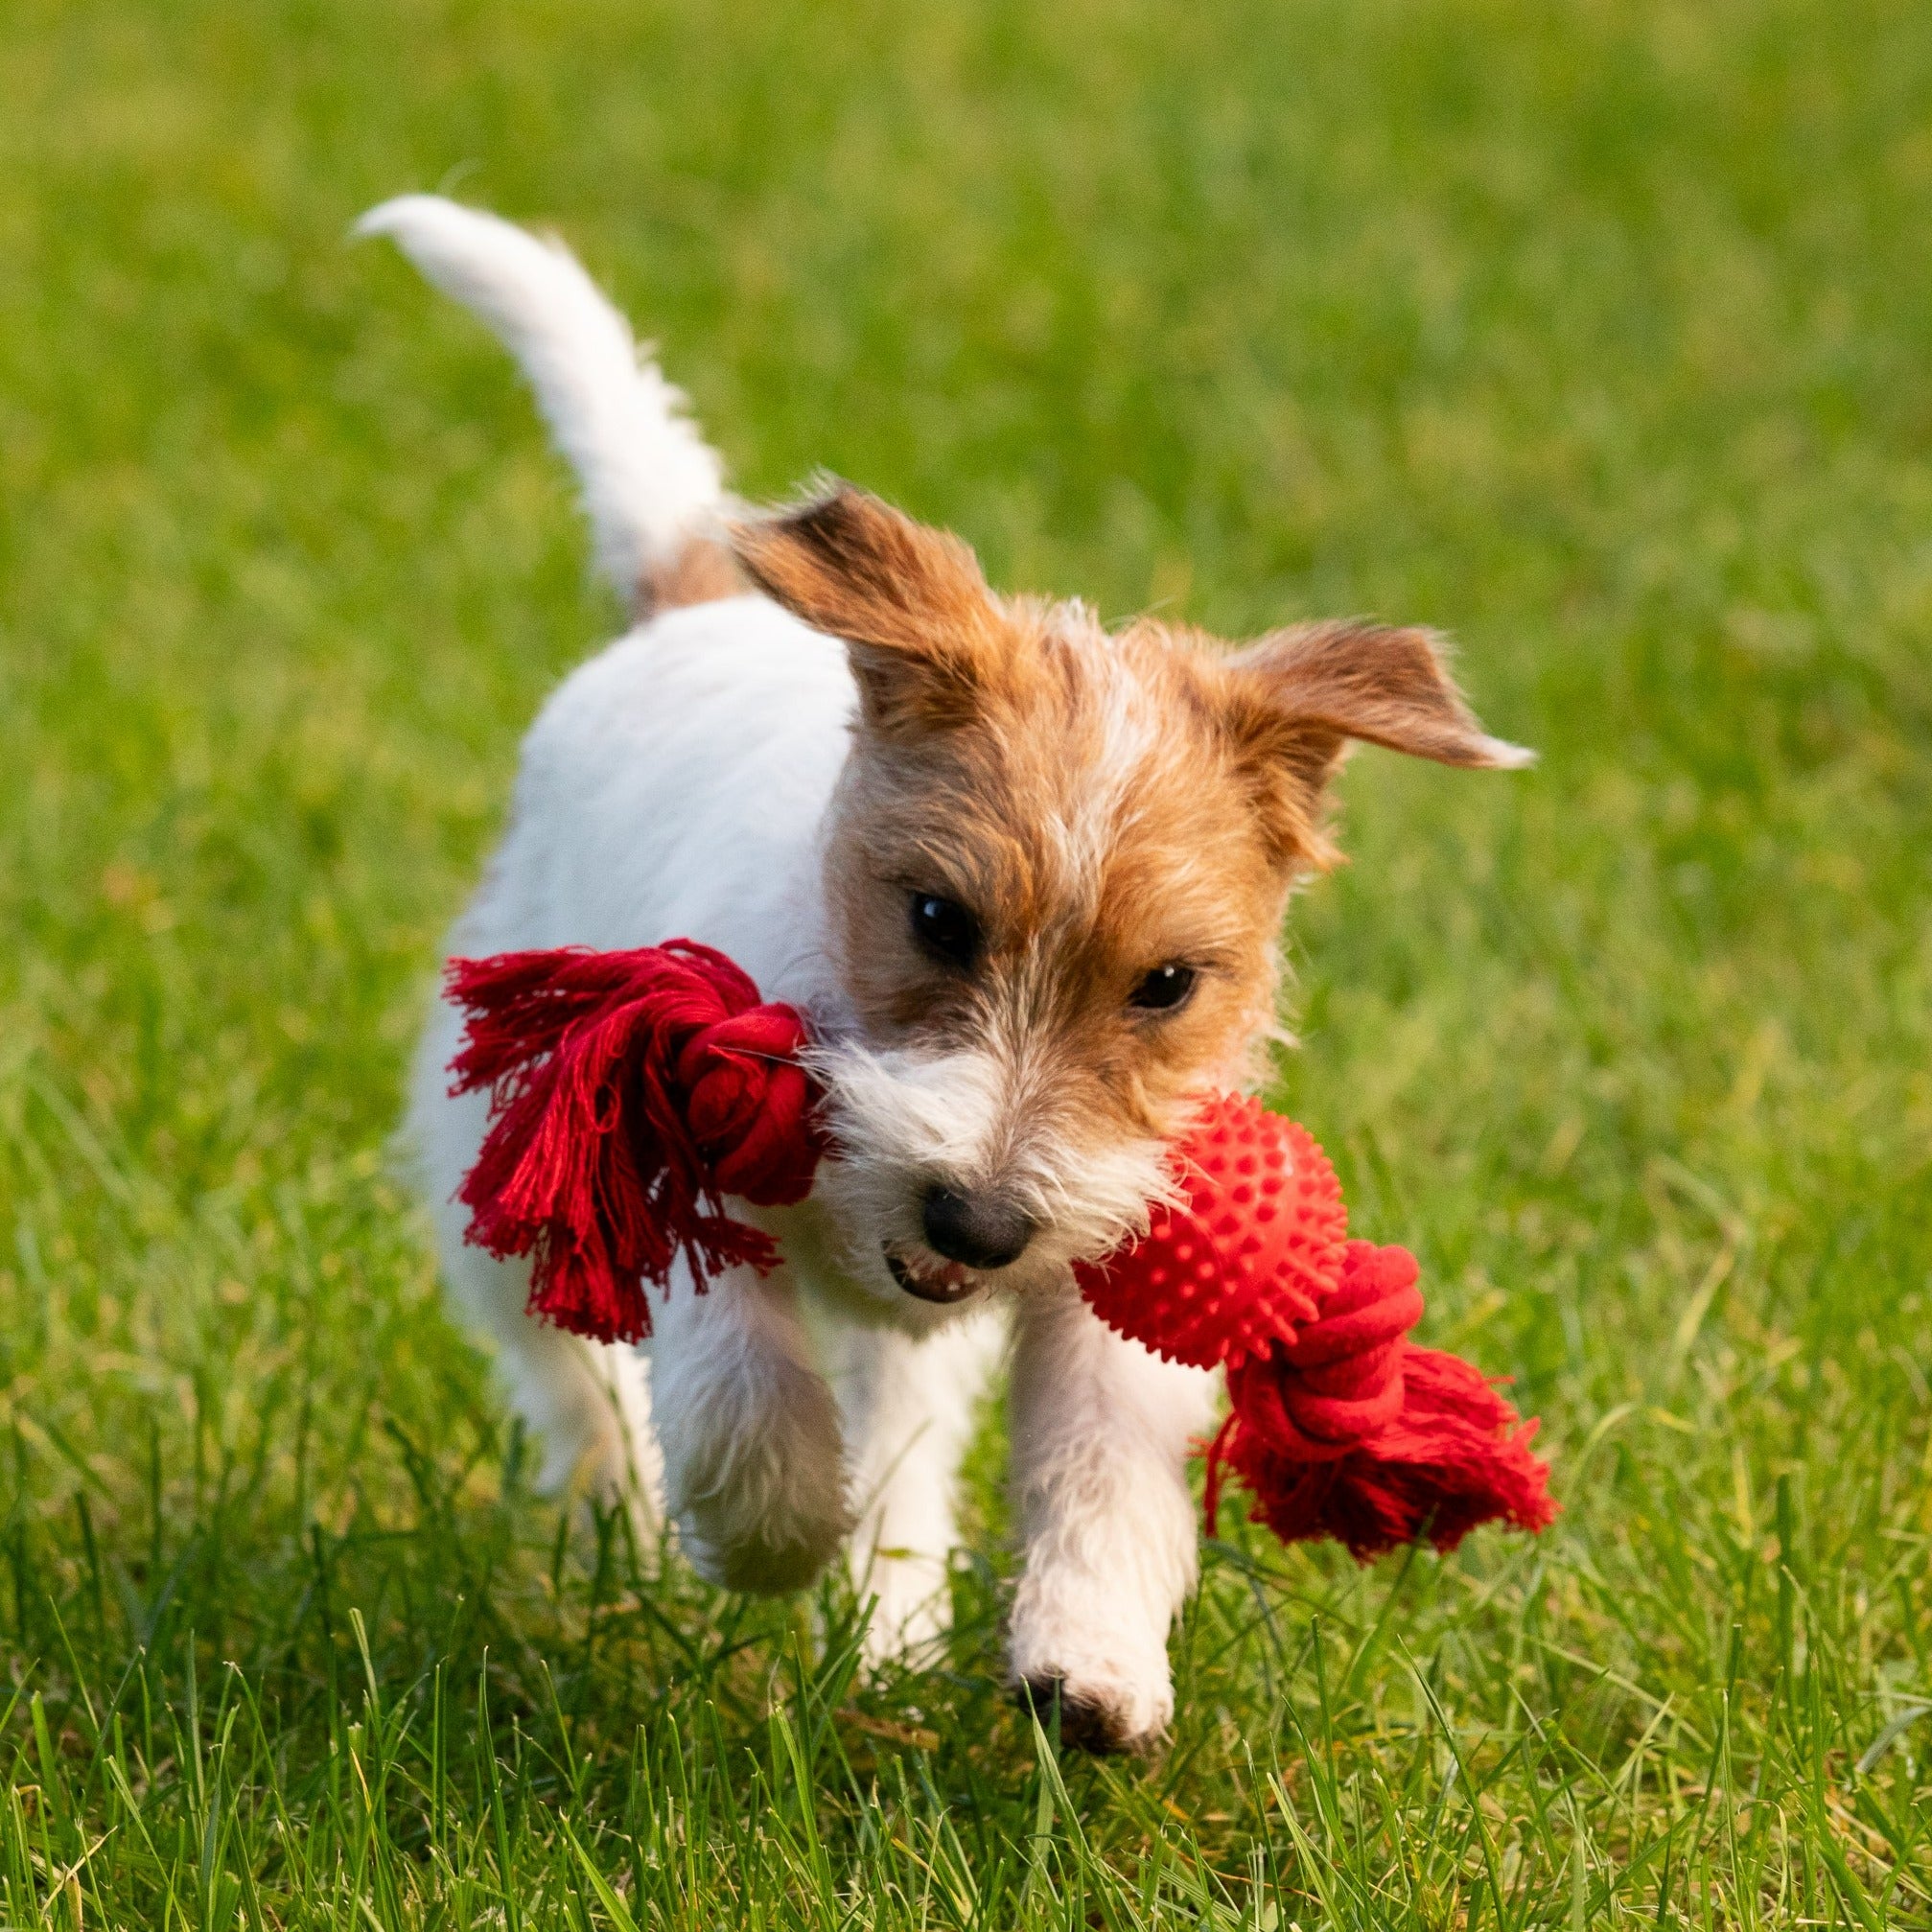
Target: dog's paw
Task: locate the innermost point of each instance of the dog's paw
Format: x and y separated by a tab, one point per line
754	1481
1101	1651
762	1565
1111	1682
1105	1720
770	1537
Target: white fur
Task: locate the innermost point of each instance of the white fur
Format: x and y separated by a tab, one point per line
1132	731
905	1119
676	785
1101	1431
909	1407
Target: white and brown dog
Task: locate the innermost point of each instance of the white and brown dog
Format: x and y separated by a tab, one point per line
1025	874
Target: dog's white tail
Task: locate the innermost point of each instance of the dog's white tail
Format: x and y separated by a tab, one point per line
647	476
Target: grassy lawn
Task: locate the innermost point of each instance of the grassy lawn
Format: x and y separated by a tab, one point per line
1599	333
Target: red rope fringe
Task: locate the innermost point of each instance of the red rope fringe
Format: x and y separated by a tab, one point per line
631	1092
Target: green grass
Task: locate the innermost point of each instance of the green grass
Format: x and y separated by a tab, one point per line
1599	332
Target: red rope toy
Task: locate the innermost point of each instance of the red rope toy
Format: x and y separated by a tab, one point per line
631	1092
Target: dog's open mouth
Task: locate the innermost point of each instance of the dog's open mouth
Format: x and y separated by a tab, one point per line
931	1280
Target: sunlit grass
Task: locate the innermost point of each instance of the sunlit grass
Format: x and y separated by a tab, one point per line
1599	335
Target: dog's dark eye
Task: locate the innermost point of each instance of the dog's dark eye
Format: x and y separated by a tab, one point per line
946	929
1164	988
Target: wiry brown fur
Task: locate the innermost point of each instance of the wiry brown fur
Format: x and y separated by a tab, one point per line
1105	805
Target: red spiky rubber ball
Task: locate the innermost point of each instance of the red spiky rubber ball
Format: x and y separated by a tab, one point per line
1245	1256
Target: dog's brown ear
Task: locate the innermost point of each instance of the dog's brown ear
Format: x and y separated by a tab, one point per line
1302	694
909	602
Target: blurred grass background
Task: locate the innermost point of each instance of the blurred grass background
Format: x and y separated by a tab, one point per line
1597	334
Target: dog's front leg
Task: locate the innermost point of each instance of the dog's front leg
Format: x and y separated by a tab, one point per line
1100	1441
754	1462
910	1407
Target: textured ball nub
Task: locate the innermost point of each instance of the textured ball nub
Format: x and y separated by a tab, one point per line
1246	1255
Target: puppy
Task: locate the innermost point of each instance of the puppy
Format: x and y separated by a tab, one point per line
1025	876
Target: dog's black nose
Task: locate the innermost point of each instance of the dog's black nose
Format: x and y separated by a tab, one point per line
981	1230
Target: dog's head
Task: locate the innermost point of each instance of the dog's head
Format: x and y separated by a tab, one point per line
1056	867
